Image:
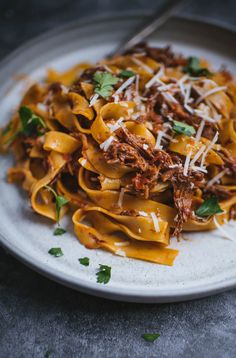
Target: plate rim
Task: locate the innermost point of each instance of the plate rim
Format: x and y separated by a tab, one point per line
134	295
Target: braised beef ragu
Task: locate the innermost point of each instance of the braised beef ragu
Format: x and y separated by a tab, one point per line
163	55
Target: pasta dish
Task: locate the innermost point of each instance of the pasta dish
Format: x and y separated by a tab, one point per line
138	148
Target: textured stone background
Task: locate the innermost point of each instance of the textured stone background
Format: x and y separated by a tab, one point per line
37	315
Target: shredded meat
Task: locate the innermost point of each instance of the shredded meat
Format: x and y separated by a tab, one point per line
160	54
221	193
125	154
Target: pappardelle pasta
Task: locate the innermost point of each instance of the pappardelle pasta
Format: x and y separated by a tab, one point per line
138	147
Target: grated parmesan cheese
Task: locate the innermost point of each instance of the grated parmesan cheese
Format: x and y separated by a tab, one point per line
186	163
214	140
199	131
158	141
159	74
125	243
121	197
216	178
169	98
93	99
197	155
83	162
117	125
143	65
223	232
106	144
143	213
155	222
126	84
120	253
210	92
42	107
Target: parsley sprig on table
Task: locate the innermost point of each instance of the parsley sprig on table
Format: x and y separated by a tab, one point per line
60	201
56	252
104	274
84	261
104	82
150	337
59	231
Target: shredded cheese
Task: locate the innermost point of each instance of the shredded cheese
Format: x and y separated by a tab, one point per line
126	84
210	92
120	253
199	131
169	98
159	74
158	141
223	232
197	155
200	169
214	140
186	163
106	144
93	99
121	197
117	125
42	107
125	243
143	65
155	222
216	178
143	213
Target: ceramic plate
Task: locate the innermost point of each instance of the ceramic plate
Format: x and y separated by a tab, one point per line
206	263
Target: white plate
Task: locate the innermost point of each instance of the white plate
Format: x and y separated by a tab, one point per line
206	263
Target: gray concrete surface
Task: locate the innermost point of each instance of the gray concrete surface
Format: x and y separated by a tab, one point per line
39	318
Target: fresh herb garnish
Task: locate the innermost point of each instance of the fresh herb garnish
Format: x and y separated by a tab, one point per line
59	231
103	83
209	207
84	261
48	354
60	201
150	337
56	252
31	124
193	68
126	73
183	128
104	274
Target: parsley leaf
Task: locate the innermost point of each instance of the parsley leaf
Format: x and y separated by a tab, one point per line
103	83
84	261
56	252
31	124
193	68
59	231
150	337
60	201
209	207
104	274
126	73
183	128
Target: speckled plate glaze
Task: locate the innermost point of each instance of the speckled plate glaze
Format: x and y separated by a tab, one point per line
206	263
